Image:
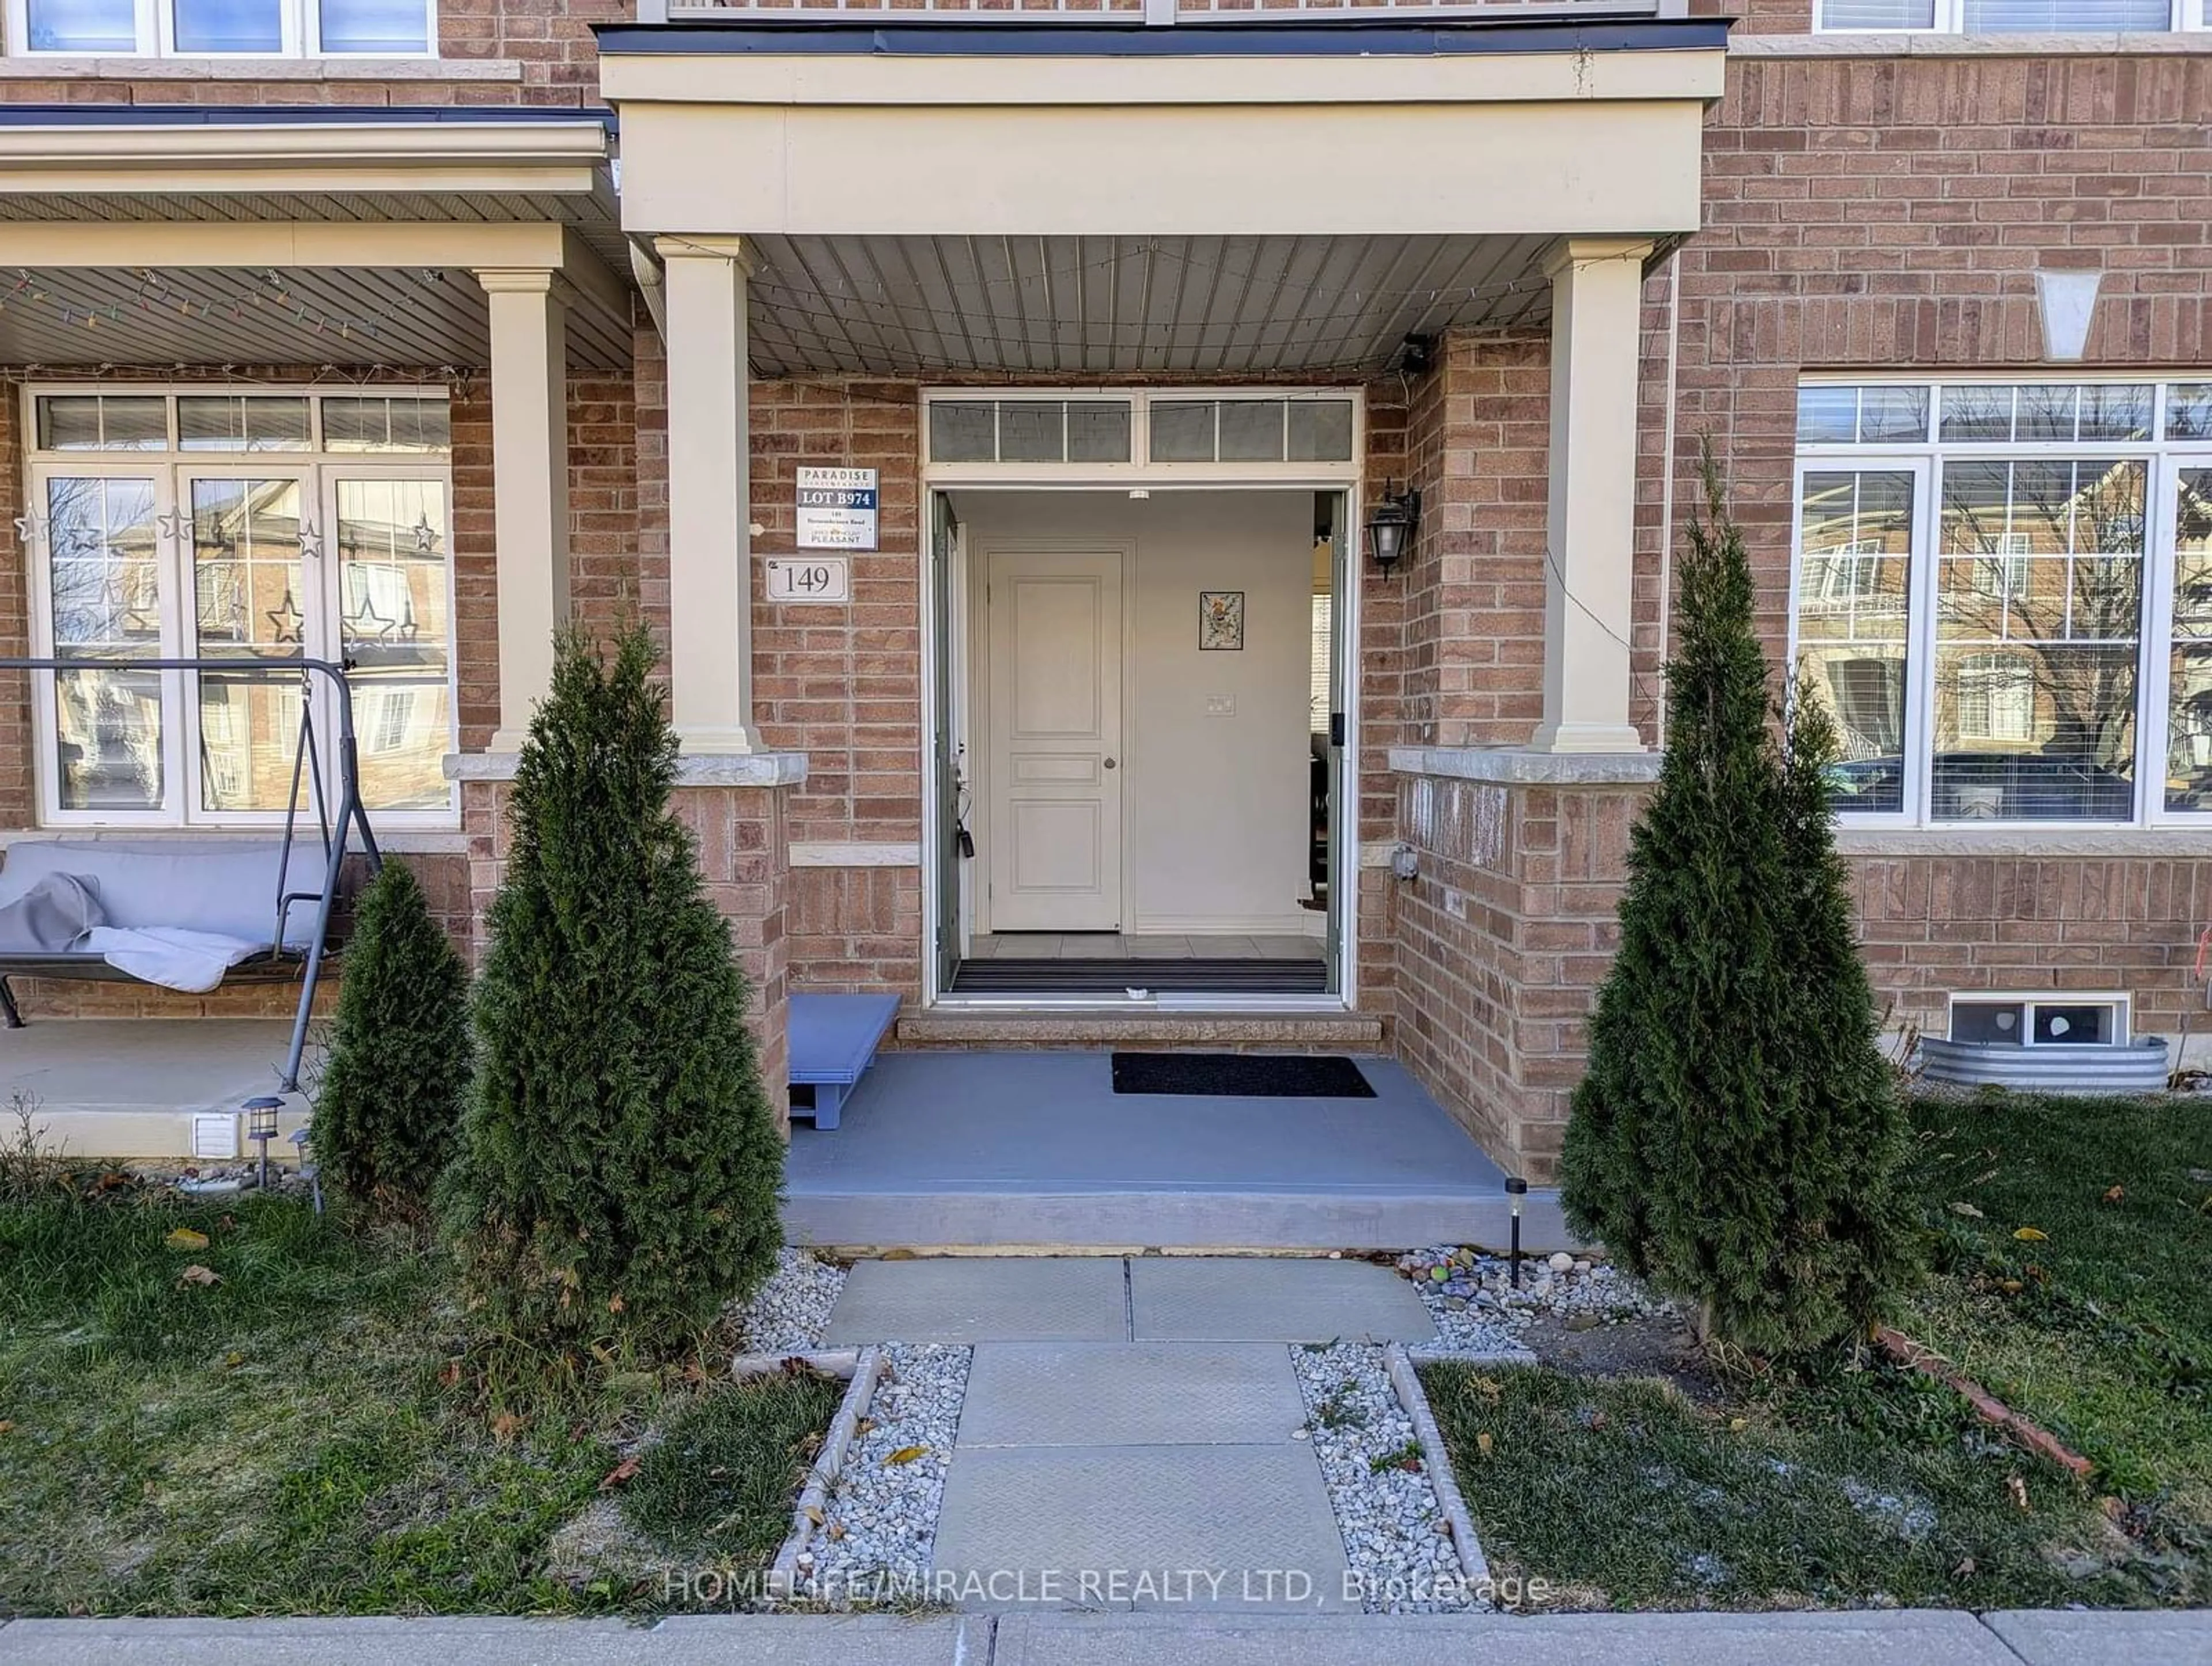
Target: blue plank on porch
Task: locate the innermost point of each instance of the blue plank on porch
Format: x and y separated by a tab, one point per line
833	1041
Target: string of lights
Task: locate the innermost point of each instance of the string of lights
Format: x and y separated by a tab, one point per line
267	290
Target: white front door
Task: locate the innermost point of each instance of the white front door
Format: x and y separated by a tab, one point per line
1054	694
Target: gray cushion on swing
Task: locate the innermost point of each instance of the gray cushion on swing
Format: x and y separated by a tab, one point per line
224	886
49	916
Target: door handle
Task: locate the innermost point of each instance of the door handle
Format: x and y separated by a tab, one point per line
1109	762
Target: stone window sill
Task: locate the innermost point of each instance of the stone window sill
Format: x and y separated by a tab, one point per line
1516	766
2140	843
697	770
1847	43
69	67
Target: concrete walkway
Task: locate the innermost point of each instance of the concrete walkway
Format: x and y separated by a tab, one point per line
1131	1434
1920	1637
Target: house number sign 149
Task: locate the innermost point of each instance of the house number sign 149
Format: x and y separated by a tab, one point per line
808	579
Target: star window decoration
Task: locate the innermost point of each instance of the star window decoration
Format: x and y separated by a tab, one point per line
311	540
124	602
31	530
367	621
426	537
288	622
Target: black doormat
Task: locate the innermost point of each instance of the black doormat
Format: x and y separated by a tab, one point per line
1013	976
1241	1075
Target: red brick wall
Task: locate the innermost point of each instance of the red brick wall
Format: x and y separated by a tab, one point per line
1473	593
1502	937
1884	213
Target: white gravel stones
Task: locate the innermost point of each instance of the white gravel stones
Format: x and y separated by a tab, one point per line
1394	1529
1478	1310
876	1541
787	1313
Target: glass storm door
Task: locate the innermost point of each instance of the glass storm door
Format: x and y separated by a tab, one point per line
1342	873
944	746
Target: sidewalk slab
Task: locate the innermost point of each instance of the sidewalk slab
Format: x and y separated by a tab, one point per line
2049	1637
1105	1393
969	1299
1227	1298
1922	1638
1119	1527
733	1640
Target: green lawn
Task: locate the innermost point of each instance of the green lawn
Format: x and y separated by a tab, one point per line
2100	1329
317	1432
1841	1486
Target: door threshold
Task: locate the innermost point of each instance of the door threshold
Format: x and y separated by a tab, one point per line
1014	1006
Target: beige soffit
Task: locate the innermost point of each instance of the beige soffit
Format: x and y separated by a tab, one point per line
565	156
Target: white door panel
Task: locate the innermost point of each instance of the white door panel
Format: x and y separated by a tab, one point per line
1055	631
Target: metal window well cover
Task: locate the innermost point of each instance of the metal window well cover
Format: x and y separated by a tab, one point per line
2140	1067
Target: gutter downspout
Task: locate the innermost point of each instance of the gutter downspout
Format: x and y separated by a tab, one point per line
1666	480
649	272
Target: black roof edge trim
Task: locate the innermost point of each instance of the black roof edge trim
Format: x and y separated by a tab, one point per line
285	115
874	38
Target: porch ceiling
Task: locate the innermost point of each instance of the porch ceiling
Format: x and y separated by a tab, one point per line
1107	306
157	235
208	316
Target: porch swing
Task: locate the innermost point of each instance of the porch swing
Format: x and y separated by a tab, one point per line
156	911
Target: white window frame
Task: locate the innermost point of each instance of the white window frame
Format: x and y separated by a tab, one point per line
2164	461
1323	476
2122	1003
321	471
1950	18
299	21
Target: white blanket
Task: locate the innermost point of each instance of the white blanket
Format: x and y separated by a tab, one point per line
169	955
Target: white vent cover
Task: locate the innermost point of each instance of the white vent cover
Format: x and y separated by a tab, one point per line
215	1137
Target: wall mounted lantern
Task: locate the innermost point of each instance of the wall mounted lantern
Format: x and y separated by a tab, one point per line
1390	526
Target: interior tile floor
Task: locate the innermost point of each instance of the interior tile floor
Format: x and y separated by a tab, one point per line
1142	946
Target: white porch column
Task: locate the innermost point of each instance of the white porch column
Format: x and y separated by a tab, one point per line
1596	289
530	485
709	494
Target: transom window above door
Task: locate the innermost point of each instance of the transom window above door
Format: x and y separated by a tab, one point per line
2003	593
1213	434
219	525
220	28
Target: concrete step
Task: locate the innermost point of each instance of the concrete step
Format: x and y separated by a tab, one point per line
1212	1218
1279	1033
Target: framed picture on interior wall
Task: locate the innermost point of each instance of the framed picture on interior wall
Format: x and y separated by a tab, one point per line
1220	620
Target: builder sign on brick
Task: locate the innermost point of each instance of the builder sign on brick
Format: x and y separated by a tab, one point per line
836	508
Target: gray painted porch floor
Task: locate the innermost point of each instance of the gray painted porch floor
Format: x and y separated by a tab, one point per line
981	1150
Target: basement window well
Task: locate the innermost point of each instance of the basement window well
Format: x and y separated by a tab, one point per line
2070	1020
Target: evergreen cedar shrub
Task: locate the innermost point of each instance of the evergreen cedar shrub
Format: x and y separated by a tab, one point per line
395	1079
620	1166
1738	1139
